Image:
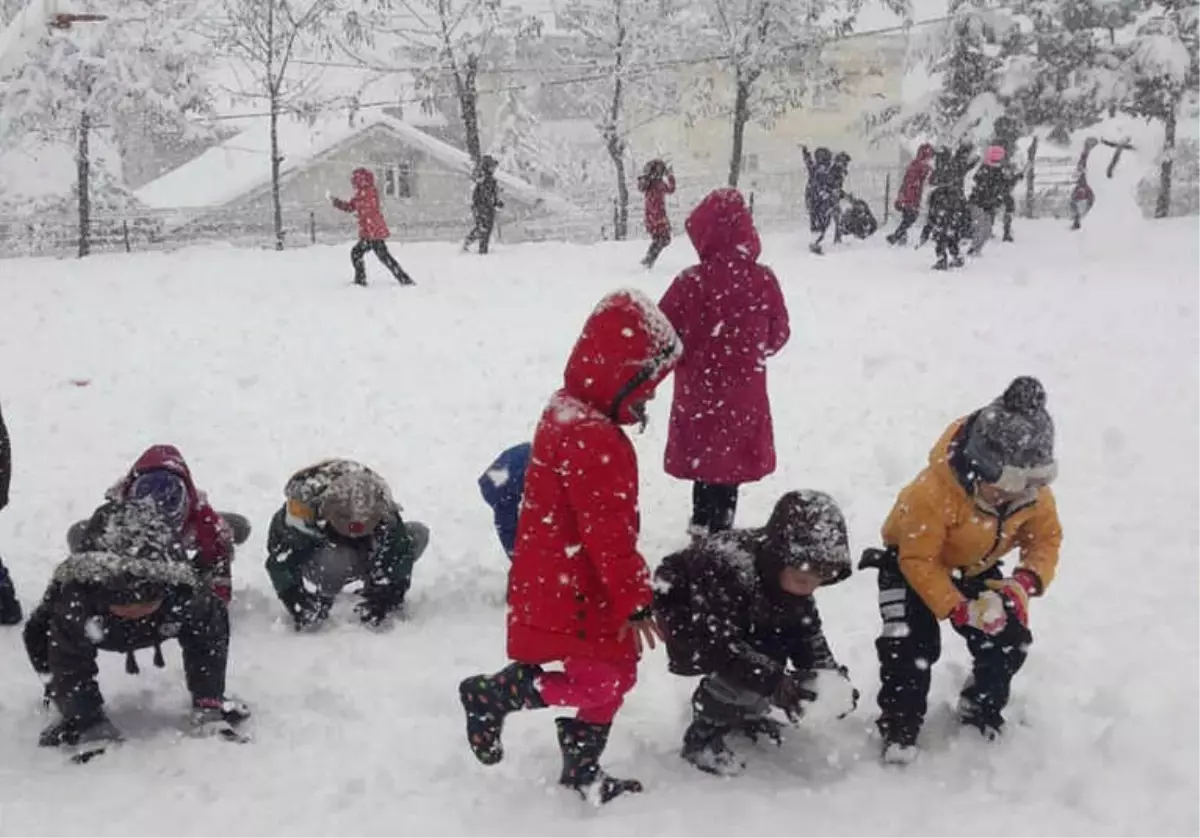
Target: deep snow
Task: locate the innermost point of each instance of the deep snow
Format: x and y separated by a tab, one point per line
257	363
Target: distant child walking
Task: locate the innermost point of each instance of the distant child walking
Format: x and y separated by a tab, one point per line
656	182
372	229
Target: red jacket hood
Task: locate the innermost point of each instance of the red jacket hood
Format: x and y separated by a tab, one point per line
925	152
167	458
362	179
626	349
721	227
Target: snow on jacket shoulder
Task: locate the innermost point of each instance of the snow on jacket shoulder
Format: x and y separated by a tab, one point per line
731	315
577	575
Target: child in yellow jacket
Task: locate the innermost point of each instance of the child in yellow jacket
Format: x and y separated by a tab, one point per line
984	493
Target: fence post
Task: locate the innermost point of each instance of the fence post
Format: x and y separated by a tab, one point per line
751	204
312	227
1029	177
887	197
615	216
125	233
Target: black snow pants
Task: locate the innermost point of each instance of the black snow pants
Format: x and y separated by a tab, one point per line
485	222
380	247
908	217
66	655
713	506
911	643
657	245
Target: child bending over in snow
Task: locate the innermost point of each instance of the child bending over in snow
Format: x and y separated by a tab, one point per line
340	525
984	493
372	229
736	607
130	586
502	485
579	590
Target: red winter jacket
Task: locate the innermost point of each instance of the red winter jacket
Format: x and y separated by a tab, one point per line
577	575
730	313
365	204
913	185
656	192
204	531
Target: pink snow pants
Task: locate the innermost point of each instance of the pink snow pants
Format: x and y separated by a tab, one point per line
596	687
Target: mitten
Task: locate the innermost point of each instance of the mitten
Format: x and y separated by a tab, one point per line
985	613
793	689
378	603
1016	591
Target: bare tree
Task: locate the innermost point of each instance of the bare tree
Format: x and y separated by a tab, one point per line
441	43
628	42
144	63
265	37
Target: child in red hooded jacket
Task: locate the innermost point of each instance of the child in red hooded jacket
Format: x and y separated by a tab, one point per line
912	190
656	182
372	229
579	590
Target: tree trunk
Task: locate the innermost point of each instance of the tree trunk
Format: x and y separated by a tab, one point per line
616	151
468	105
613	141
1162	207
741	115
1030	177
276	161
83	166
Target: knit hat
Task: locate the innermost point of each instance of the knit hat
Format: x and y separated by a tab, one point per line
355	503
1010	443
807	531
994	156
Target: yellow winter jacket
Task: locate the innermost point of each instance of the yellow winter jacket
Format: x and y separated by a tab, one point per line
937	527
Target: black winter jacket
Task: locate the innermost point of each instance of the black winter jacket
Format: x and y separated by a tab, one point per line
721	617
5	463
990	188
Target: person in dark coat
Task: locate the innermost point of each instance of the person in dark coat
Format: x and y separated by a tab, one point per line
338	525
912	189
485	200
856	219
656	182
10	606
131	587
822	193
987	197
949	219
373	231
1083	198
732	317
738	608
502	485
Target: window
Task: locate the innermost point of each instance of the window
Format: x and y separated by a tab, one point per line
749	162
398	180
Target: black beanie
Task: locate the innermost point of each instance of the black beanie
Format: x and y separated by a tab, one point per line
1015	430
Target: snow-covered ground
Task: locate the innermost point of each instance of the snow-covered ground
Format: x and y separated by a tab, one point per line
256	363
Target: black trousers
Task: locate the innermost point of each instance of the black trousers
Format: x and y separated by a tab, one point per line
481	232
911	643
56	649
908	217
380	247
713	505
657	245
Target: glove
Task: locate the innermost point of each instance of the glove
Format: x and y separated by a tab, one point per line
1016	591
378	603
307	609
793	688
219	717
985	612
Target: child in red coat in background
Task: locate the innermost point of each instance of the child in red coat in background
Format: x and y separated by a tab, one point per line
372	229
579	591
656	183
912	189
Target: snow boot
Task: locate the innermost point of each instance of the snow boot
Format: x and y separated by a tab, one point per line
487	699
86	738
10	606
582	743
704	747
219	717
957	262
984	718
941	264
899	739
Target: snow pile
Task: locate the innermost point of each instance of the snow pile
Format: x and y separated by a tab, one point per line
257	363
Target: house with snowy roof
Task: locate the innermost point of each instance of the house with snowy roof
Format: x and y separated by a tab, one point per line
424	183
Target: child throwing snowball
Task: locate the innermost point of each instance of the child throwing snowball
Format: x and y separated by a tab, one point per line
372	229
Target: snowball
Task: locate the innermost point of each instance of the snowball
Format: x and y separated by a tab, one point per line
835	696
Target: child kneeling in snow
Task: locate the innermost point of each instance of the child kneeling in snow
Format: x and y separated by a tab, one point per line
340	524
579	590
130	586
737	607
502	485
